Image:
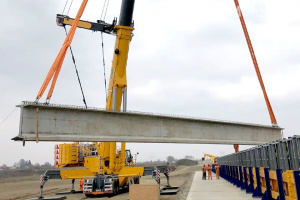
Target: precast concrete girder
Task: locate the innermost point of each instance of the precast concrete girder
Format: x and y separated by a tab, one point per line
72	123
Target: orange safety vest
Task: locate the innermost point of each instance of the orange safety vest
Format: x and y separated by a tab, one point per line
81	181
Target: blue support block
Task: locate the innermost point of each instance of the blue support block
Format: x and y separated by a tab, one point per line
257	191
244	184
239	183
239	178
241	175
250	186
222	171
297	183
267	195
233	175
230	174
227	173
280	185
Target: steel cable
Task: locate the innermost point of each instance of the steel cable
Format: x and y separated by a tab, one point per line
73	58
8	116
64	7
103	60
70	7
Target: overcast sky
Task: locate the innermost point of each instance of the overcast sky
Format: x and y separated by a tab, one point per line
186	58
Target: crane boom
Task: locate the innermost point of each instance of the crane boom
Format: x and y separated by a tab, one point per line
271	113
118	82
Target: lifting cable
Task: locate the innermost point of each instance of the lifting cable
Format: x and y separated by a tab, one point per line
69	7
104	9
102	17
103	59
8	116
64	7
76	72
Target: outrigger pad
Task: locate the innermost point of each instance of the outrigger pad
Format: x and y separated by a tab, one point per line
70	192
169	190
49	198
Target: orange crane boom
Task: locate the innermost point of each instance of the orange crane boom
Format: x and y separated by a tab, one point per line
271	113
56	66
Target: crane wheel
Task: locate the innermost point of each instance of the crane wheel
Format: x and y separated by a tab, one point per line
136	180
116	188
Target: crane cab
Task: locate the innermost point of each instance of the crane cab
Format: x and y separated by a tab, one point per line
129	158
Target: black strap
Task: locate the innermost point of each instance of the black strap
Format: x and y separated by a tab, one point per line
76	72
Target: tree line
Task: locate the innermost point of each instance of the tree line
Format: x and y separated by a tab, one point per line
23	164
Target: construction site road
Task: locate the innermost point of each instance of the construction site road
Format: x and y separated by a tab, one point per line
26	187
215	189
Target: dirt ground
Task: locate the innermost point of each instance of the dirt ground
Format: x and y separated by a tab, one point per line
27	187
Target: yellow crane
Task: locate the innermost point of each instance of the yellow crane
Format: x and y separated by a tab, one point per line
213	158
104	168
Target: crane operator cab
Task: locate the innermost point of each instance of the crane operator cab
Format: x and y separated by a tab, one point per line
129	159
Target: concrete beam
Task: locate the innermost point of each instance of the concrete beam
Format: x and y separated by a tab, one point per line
70	123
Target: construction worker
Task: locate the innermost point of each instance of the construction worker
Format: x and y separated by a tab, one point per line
203	172
217	168
81	184
209	171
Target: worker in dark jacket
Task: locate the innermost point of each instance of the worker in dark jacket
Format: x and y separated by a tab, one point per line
203	172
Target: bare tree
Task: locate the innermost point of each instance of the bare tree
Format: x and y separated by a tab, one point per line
189	157
170	159
21	163
47	164
37	165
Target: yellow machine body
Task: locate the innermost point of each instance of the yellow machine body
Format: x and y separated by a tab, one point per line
211	156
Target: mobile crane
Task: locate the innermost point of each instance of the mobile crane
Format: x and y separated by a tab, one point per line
104	169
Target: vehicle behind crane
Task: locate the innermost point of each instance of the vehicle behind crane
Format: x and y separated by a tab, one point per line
213	158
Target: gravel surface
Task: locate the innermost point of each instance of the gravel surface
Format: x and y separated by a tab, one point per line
28	187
